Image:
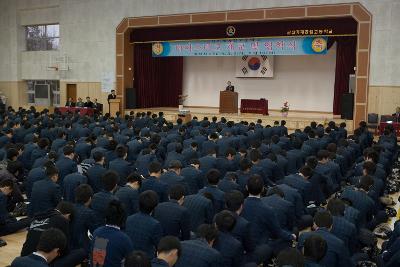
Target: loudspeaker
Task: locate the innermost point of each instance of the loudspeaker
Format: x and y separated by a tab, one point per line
347	106
130	98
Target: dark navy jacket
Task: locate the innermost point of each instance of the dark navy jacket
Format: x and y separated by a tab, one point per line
129	198
30	260
99	204
82	223
174	219
152	183
145	232
94	175
70	183
283	209
230	248
263	222
65	166
201	210
193	178
123	168
34	175
45	195
197	253
337	254
218	196
226	185
171	179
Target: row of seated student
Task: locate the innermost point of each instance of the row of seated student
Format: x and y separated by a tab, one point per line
201	194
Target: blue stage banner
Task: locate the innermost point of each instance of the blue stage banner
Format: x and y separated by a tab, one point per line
242	47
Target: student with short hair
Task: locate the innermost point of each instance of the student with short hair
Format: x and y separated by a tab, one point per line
84	218
129	193
314	250
46	193
137	259
144	231
52	241
110	246
173	216
152	182
120	165
95	172
101	199
168	251
8	223
200	252
66	163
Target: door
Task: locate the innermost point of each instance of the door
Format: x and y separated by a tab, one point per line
71	91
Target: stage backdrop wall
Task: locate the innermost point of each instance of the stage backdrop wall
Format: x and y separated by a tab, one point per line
306	82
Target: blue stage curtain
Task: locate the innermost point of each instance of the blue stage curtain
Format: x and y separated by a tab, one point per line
158	80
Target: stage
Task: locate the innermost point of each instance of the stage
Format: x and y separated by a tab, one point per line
294	120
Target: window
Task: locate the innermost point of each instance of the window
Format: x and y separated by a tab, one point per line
54	86
42	37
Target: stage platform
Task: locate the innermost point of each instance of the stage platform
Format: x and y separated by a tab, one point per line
294	120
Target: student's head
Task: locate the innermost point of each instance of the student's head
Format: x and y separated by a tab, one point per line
315	248
169	249
110	180
230	153
312	162
336	207
69	151
195	163
306	171
207	232
134	180
213	176
15	167
43	143
115	213
137	258
155	169
98	157
255	185
12	154
6	186
323	219
245	165
365	182
66	209
83	194
52	173
225	221
51	242
255	155
177	192
121	152
323	155
148	201
290	257
234	201
175	165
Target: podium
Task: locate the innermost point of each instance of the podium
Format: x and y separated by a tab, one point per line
114	106
228	102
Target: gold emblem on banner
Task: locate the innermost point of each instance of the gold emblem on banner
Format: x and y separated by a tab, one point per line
157	48
318	45
230	31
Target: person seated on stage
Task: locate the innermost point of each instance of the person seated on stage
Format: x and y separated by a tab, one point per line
51	243
230	87
88	103
70	102
397	114
95	104
80	103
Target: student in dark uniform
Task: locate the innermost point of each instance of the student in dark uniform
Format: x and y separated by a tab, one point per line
51	243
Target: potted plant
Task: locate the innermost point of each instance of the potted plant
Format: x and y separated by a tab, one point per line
285	109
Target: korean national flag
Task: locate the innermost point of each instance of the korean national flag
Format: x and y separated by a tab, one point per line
255	66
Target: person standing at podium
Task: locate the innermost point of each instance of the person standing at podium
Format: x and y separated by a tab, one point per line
111	96
230	87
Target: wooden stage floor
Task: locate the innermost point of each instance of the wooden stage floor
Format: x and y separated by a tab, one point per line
295	119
